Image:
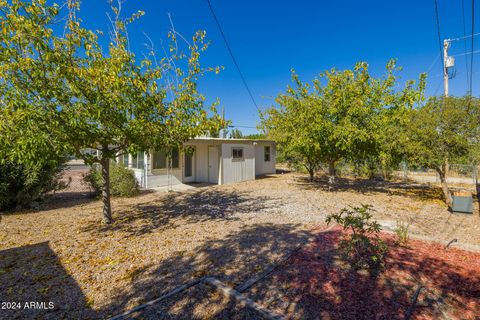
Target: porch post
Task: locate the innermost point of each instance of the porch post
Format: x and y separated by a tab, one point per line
130	161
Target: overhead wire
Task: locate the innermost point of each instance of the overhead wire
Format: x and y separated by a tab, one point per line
237	66
465	41
472	49
439	36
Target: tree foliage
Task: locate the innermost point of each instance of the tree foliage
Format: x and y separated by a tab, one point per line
443	131
342	115
77	95
235	134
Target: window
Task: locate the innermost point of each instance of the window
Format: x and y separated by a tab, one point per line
137	160
266	154
160	159
175	159
123	160
188	164
237	153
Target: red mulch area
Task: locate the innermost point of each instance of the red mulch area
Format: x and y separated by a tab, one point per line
317	283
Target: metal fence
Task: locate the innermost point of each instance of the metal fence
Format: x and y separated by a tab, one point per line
460	174
73	178
457	174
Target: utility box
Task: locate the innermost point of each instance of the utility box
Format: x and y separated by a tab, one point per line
449	62
462	202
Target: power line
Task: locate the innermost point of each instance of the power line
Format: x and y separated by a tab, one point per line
465	54
465	40
471	57
466	37
232	55
439	37
247	127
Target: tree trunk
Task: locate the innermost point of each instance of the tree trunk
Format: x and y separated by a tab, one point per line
331	174
443	172
107	208
311	173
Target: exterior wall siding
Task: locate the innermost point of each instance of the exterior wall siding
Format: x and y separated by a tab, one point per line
263	167
230	170
237	170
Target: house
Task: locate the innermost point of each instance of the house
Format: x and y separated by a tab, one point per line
204	160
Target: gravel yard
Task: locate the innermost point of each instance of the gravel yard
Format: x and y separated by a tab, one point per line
160	240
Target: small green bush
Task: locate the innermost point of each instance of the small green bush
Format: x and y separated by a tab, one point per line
363	249
122	181
401	230
27	186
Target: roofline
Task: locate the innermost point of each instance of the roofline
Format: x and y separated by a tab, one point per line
230	140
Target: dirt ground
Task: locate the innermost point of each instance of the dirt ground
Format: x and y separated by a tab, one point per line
160	240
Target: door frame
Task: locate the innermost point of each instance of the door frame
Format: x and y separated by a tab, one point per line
194	169
218	163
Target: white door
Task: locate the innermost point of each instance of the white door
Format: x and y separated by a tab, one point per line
189	166
213	164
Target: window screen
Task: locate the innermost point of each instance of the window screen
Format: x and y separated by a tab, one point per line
140	157
237	153
159	160
137	160
175	159
266	154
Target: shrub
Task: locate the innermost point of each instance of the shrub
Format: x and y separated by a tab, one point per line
122	181
25	186
401	230
363	248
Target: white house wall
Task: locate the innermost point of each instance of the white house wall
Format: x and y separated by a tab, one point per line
237	170
263	167
160	178
230	171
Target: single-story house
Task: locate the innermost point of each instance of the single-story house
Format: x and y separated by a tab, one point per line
204	160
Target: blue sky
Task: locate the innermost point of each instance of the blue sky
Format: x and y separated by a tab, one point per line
269	38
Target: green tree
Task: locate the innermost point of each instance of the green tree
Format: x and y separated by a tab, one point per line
236	134
340	116
255	136
86	97
443	131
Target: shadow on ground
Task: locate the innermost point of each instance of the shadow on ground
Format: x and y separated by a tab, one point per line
193	207
25	279
316	283
232	260
369	186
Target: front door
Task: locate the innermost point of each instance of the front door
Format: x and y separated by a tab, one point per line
189	169
213	164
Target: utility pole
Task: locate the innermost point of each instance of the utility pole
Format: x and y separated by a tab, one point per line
448	62
446	44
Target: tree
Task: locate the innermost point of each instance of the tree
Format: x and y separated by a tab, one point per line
255	136
88	97
236	134
340	116
443	131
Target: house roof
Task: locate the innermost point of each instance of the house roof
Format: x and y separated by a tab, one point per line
230	140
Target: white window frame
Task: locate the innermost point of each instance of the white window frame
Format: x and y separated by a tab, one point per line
242	158
269	153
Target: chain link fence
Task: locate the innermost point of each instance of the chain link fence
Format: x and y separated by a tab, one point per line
73	178
459	174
